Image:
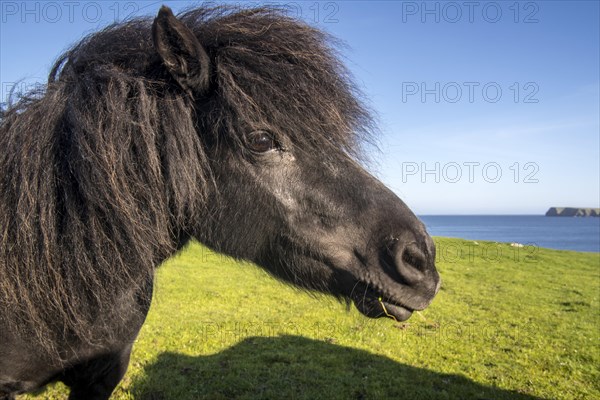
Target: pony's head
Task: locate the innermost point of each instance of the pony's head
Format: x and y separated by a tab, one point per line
239	128
281	122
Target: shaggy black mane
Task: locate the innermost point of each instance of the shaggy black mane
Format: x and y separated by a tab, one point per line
109	164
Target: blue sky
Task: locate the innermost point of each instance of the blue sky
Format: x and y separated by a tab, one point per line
484	107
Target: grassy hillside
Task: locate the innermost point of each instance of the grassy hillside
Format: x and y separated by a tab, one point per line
508	323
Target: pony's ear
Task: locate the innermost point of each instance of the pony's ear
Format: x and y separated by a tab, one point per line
181	52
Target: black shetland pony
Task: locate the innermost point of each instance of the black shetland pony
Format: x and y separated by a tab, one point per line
236	128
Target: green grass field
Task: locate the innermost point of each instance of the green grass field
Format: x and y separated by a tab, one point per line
508	323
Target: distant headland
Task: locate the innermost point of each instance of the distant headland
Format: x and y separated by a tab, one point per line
572	212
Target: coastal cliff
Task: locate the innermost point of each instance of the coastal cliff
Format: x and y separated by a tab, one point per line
572	212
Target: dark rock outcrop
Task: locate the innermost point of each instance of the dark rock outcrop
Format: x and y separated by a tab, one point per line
572	212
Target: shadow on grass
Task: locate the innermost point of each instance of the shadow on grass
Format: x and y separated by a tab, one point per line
292	367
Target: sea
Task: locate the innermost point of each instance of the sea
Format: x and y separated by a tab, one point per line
562	233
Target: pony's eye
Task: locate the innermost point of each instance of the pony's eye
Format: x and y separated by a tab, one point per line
261	141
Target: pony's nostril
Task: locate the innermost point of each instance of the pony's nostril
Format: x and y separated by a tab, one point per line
410	263
414	257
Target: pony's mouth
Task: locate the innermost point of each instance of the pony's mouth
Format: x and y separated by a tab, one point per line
376	305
